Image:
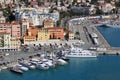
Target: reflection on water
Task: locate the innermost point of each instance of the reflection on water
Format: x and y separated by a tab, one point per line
80	60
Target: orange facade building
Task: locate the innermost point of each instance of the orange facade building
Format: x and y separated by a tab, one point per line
56	32
48	23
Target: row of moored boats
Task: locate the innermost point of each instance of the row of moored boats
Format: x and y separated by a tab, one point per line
46	63
34	63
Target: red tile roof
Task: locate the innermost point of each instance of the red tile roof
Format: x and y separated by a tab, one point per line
48	21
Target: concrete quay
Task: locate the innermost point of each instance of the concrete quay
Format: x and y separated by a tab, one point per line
101	38
109	52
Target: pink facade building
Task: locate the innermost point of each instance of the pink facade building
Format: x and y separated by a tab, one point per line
5	27
15	29
12	28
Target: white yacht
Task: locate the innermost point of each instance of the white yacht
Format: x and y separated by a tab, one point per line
113	25
48	62
28	65
42	66
79	52
61	62
22	67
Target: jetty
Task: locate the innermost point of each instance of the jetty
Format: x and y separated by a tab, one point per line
111	52
101	38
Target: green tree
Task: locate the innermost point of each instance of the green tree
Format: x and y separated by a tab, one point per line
98	11
94	2
58	23
64	14
108	1
7	12
117	4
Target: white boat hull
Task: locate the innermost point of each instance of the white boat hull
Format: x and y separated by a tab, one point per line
32	67
78	52
114	26
68	56
42	66
61	62
49	64
24	68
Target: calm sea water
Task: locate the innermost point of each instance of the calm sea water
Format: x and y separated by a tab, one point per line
111	35
105	67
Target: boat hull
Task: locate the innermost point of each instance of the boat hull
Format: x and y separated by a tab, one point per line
42	66
113	26
16	70
68	56
24	68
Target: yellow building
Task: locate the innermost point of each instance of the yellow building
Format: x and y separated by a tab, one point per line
8	43
28	38
5	40
71	35
31	37
43	34
15	43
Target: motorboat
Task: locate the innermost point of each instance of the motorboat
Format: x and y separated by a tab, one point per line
22	67
42	66
28	65
113	25
48	62
34	61
16	70
65	59
61	62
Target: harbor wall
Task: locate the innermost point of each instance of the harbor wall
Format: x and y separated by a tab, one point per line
109	49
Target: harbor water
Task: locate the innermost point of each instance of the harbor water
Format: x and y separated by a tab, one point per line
104	67
111	35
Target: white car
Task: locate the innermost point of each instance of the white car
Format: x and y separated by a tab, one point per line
7	54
